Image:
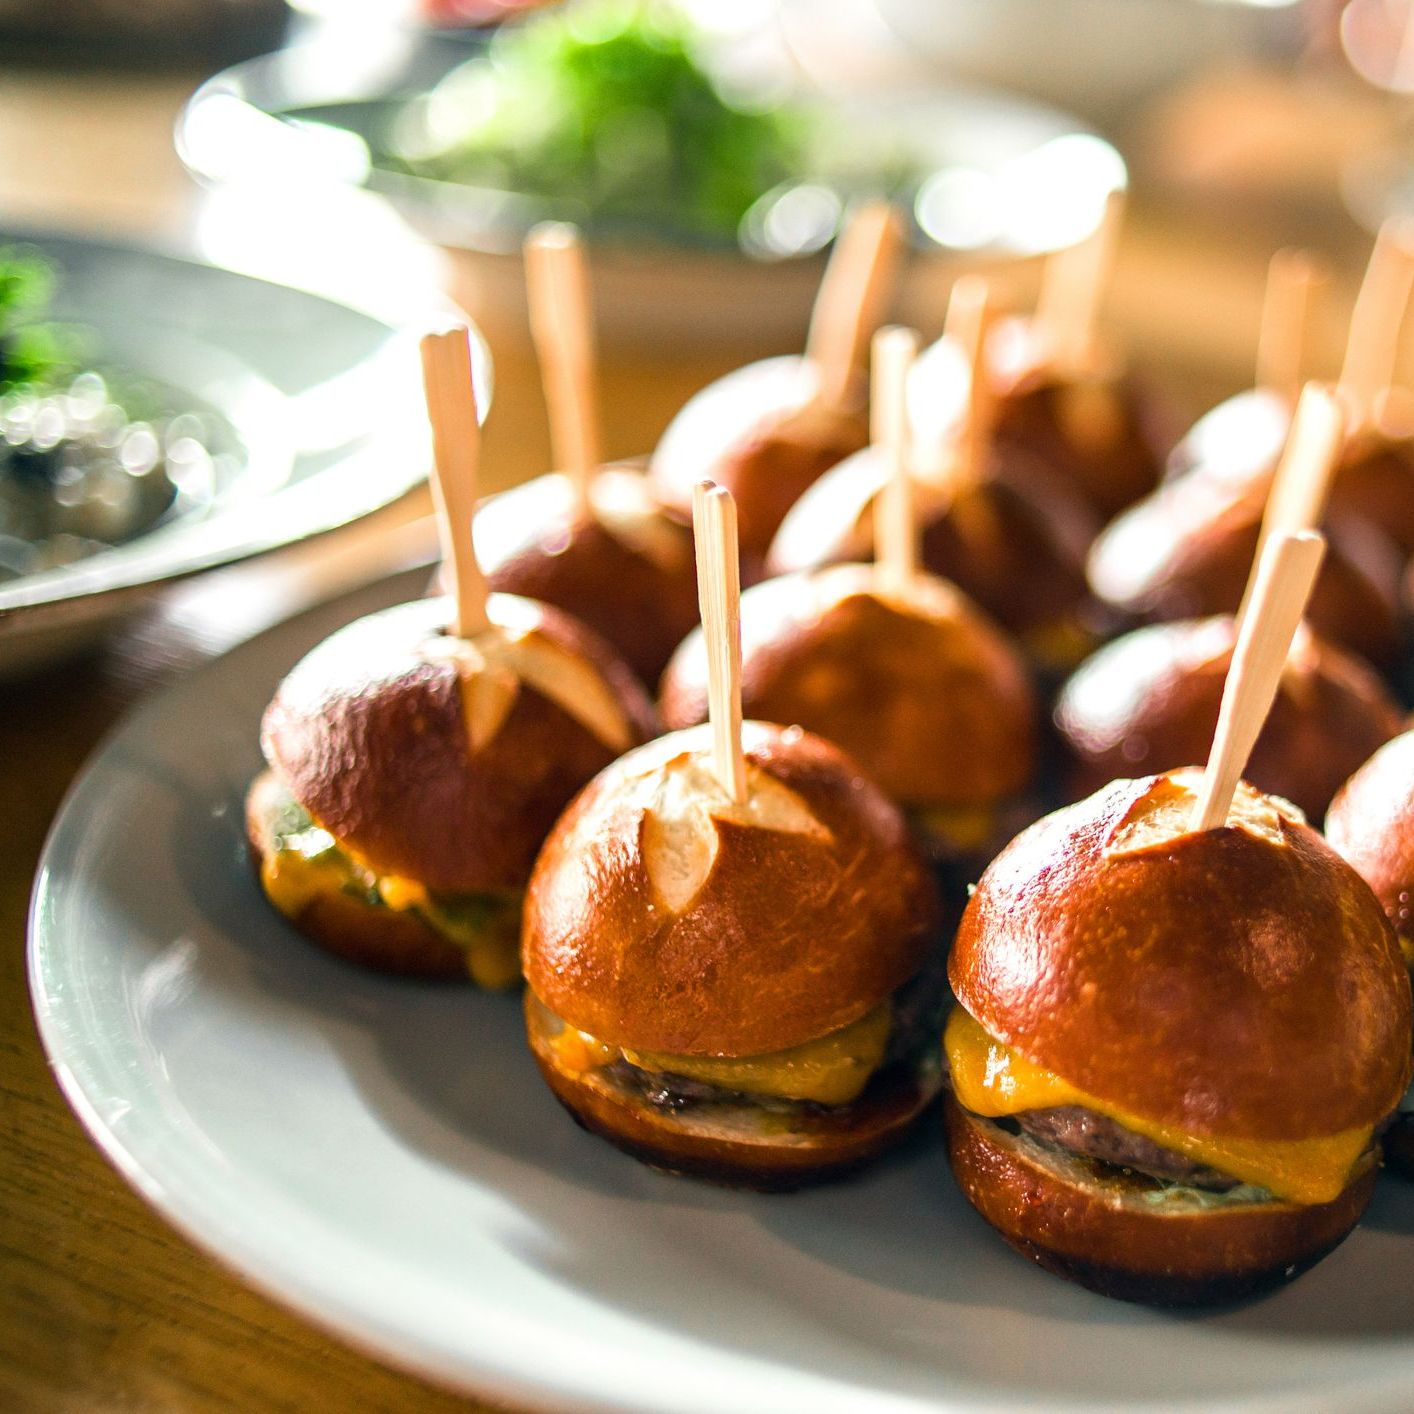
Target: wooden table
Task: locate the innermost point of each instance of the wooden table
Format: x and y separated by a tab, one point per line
102	1306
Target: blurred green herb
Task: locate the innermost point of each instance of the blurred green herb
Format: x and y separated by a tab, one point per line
604	114
33	350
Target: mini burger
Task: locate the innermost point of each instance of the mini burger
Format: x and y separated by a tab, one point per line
915	684
613	559
1371	825
768	430
589	539
1173	1049
735	989
413	775
1149	702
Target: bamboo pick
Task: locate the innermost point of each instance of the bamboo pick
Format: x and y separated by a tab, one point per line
968	324
895	524
1285	575
1372	347
1292	276
1302	484
719	595
562	323
853	296
456	448
1072	287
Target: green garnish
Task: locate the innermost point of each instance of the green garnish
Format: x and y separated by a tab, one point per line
605	115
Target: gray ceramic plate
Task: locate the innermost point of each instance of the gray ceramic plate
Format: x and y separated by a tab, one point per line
384	1158
319	405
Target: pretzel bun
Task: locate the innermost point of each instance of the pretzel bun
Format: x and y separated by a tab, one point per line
1149	702
370	734
1371	825
625	569
654	924
1008	552
1112	1238
1185	551
759	433
1098	952
929	698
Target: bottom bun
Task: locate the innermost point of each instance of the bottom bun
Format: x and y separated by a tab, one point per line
737	1144
1111	1236
372	935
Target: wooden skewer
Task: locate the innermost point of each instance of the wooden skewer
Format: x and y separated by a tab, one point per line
1302	484
719	595
968	324
895	525
456	449
1285	575
853	296
1072	286
1372	347
562	323
1292	277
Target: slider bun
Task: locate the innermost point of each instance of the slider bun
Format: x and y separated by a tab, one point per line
387	939
1117	1242
371	737
1000	547
728	1144
757	433
1186	550
1371	824
934	703
1149	702
1225	983
1099	433
625	571
636	935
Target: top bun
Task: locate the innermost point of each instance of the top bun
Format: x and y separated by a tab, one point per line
1186	550
626	570
759	433
372	733
928	697
663	918
1015	556
1149	701
1241	982
1371	824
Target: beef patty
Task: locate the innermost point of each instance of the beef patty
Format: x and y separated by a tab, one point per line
1092	1135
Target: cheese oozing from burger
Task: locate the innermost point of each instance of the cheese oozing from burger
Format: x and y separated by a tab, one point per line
994	1080
306	862
832	1070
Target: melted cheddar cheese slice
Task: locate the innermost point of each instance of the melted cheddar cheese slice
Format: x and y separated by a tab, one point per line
991	1079
294	877
831	1071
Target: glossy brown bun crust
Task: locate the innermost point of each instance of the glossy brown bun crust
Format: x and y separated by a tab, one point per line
1149	702
757	433
802	1149
595	566
1123	1246
1371	824
387	939
1186	550
370	736
1007	551
938	711
1099	434
1105	968
789	937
